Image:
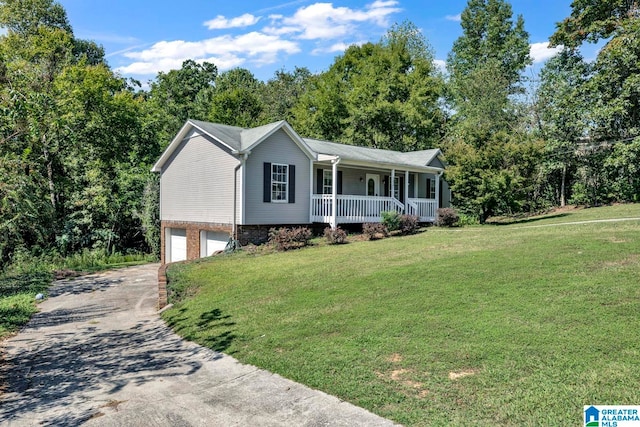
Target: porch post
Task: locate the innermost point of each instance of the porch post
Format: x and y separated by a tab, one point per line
406	192
437	176
393	182
334	192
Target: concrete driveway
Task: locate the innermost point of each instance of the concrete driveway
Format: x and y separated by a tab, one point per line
98	354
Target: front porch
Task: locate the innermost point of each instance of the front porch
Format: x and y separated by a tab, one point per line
352	209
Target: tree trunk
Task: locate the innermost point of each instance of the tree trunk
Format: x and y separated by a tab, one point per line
563	200
49	165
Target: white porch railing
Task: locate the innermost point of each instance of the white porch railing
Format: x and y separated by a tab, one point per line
352	209
424	209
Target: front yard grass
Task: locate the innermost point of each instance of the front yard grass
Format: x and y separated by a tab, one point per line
503	325
17	304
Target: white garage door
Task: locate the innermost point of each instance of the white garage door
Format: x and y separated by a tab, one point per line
213	241
177	250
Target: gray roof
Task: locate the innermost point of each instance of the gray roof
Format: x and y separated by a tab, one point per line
240	139
235	137
373	155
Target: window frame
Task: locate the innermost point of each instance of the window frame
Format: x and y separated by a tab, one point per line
325	186
274	182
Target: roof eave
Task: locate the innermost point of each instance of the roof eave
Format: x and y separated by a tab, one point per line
387	165
175	142
292	134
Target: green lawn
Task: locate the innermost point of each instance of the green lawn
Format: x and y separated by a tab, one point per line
504	325
17	299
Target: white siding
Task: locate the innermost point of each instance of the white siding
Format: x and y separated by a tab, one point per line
197	182
278	148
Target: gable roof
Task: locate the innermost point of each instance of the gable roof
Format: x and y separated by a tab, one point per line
238	140
353	153
242	140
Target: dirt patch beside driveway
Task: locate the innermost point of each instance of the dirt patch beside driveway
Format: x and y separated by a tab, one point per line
98	354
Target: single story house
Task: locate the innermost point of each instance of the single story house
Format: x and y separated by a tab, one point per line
218	181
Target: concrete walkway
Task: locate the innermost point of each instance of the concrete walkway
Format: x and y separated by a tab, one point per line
98	354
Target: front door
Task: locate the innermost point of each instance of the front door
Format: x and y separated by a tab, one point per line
373	185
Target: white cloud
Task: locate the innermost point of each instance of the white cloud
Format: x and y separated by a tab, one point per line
336	47
440	64
329	27
225	51
455	18
323	21
220	22
540	52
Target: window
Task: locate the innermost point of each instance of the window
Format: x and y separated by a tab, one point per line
279	182
431	188
327	181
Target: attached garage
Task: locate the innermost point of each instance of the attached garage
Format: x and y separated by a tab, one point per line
212	242
176	248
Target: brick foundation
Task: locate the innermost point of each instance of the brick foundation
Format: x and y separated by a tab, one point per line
162	286
259	234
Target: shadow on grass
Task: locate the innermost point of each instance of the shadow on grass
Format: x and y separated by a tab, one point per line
24	283
212	329
528	220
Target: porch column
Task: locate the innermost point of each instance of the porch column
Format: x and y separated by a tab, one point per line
437	176
334	192
392	185
406	192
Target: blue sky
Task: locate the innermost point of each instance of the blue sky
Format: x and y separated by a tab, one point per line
142	37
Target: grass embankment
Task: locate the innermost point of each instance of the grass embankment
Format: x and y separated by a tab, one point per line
487	325
29	276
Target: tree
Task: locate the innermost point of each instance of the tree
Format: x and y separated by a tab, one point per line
593	20
235	99
27	17
562	111
383	95
614	96
492	161
76	143
282	92
490	36
179	95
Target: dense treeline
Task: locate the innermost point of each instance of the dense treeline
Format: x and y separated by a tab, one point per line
77	141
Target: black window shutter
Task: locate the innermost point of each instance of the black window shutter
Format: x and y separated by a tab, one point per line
428	188
387	186
292	183
339	182
266	189
319	178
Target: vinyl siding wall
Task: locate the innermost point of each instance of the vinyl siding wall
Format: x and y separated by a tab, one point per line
197	182
278	148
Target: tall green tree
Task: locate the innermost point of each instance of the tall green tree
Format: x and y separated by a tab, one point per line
178	95
236	99
281	93
76	143
492	160
593	20
563	118
614	91
490	36
383	95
